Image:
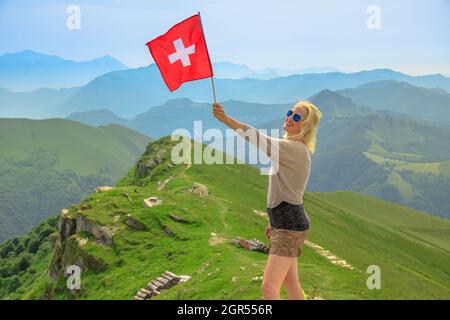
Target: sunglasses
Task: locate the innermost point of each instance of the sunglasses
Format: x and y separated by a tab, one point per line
296	116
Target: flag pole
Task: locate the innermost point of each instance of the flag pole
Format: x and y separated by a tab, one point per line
212	77
214	91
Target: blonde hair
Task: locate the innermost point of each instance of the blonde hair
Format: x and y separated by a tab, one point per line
309	126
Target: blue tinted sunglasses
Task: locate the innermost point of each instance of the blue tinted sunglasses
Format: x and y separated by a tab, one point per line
296	116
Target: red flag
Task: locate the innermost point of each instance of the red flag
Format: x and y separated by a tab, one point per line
181	53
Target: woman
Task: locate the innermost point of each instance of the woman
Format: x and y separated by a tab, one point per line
289	222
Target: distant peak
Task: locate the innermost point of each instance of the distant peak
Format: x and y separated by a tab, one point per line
105	57
27	54
327	95
179	100
385	83
108	59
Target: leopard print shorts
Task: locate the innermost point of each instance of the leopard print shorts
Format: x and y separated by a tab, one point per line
289	227
285	242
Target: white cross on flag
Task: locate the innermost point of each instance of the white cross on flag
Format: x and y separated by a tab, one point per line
181	53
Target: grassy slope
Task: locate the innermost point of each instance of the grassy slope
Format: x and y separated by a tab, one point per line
46	165
410	247
419	167
81	148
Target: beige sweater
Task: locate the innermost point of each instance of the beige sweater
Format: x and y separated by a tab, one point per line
291	166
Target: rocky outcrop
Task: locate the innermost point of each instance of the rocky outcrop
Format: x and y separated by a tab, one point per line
200	189
103	235
166	229
103	189
178	219
153	156
66	245
252	245
67	227
151	202
133	223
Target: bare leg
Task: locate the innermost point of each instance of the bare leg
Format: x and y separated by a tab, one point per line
274	274
292	283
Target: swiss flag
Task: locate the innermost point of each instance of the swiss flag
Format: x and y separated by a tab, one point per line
181	53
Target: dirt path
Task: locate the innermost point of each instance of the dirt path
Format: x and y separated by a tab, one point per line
327	254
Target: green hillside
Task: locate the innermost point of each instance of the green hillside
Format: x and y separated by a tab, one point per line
349	232
49	164
84	149
395	159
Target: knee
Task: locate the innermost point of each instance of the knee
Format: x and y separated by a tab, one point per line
270	290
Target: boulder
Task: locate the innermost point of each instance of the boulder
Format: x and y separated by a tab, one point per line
103	188
133	223
252	245
67	227
176	218
151	202
200	189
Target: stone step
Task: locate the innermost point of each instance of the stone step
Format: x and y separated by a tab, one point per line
170	279
165	282
170	274
152	287
141	295
145	291
157	283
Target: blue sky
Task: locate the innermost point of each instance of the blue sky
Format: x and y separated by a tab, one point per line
413	38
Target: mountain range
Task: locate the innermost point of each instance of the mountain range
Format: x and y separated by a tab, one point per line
423	104
229	70
130	92
133	91
409	166
28	70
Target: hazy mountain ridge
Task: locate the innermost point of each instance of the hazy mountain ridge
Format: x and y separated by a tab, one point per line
28	70
39	104
431	104
130	92
98	118
230	70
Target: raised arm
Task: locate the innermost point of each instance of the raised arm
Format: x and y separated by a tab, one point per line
262	141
